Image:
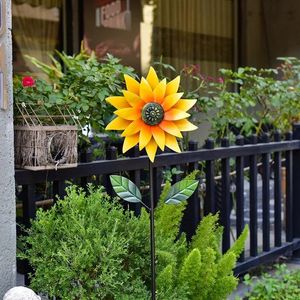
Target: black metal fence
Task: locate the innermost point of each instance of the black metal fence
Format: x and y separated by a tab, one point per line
270	203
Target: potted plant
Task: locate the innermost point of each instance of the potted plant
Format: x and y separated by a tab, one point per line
83	83
45	134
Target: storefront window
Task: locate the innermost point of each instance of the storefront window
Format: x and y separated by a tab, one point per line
36	31
113	26
181	32
140	32
194	32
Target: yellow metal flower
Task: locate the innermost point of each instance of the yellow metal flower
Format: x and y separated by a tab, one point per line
151	113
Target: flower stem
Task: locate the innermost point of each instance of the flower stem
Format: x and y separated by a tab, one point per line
152	233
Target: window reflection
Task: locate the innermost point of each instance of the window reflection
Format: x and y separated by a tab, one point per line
113	26
36	31
195	32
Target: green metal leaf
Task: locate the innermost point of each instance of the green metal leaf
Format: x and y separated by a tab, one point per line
125	189
181	191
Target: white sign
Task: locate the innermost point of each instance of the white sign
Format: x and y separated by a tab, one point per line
112	15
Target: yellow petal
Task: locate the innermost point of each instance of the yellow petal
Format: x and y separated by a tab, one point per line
159	91
117	102
171	100
133	127
170	127
152	78
175	114
132	98
185	104
172	86
172	143
131	113
159	136
151	150
145	136
117	124
129	142
132	85
185	125
145	91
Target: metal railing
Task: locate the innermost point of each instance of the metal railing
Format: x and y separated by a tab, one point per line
237	164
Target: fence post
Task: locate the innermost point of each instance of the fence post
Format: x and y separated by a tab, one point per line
225	204
240	198
253	200
111	154
296	186
135	176
191	216
289	191
210	199
29	211
59	190
277	192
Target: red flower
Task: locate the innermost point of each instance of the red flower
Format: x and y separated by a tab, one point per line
28	81
221	80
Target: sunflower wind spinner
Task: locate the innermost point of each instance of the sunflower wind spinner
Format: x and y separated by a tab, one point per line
151	113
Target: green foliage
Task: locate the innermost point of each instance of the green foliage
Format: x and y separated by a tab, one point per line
246	100
168	217
238	247
225	282
88	247
190	270
208	235
200	271
284	284
87	83
168	173
36	96
263	102
193	175
31	95
83	83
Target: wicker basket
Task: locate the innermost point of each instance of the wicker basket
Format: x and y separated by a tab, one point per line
41	146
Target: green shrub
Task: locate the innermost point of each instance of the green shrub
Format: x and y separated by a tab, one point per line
246	100
88	247
196	270
282	285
